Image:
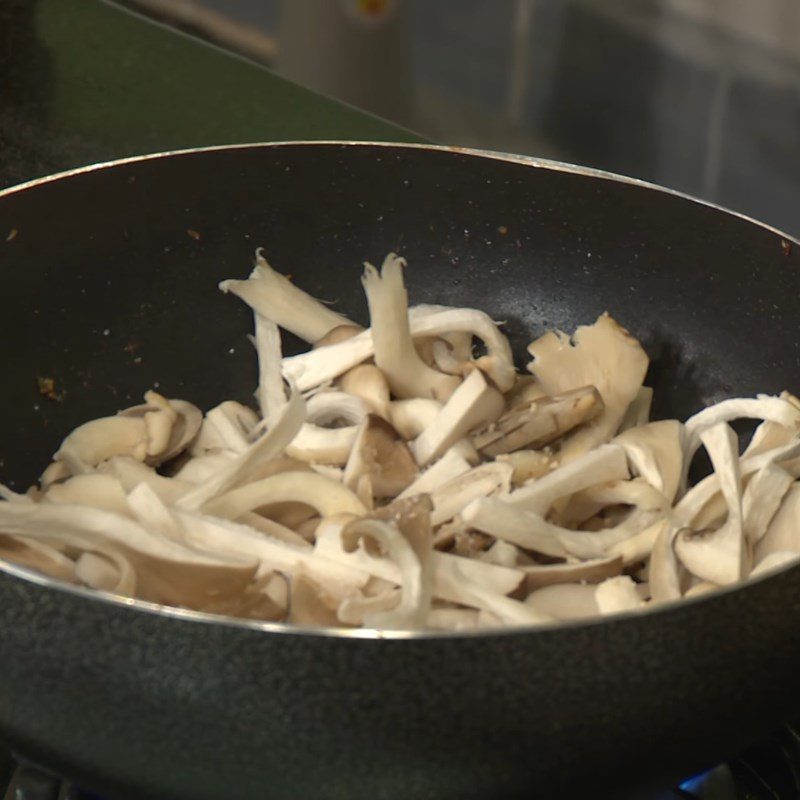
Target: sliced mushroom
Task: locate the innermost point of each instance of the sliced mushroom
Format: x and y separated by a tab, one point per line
130	473
591	571
275	297
36	555
449	466
529	464
474	403
367	382
108	572
783	532
270	392
541	422
638	412
408	375
96	441
452	497
761	500
603	355
341	333
618	594
564	601
773	561
655	451
380	454
310	604
719	556
100	491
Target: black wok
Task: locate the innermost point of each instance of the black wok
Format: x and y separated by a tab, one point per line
109	286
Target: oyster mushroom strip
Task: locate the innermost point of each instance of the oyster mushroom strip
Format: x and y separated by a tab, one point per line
153	433
166	572
603	355
317	367
276	298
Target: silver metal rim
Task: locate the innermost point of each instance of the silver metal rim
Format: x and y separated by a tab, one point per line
36	578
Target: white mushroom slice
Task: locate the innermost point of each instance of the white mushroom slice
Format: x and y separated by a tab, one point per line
412	609
273	529
271	394
275	297
130	473
450	498
783	533
326	496
341	333
452	619
502	553
603	355
529	464
585	504
774	561
202	468
233	424
329	445
500	580
411	417
638	547
96	441
701	588
9	495
36	555
329	471
360	609
773	409
638	412
166	572
55	472
473	403
149	509
532	532
320	366
719	556
446	360
448	467
655	451
606	463
592	571
762	498
616	595
369	384
395	354
564	601
100	491
269	446
223	536
539	423
108	572
379	454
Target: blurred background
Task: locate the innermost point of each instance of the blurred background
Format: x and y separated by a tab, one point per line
699	95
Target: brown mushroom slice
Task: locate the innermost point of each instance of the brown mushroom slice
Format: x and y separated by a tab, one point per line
606	463
408	375
529	464
379	454
539	423
325	496
603	355
564	601
591	571
269	446
783	532
254	603
97	490
108	572
450	498
166	572
618	594
36	555
473	403
655	451
275	297
412	608
320	366
719	556
310	604
369	384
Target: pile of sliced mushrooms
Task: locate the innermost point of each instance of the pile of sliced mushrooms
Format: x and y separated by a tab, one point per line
407	476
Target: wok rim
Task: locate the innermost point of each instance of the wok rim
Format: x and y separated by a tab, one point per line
30	576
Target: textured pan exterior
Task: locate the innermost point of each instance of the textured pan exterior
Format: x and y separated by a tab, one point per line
149	705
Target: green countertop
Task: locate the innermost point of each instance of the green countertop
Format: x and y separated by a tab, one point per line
92	81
